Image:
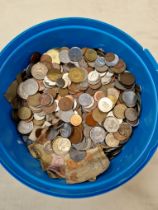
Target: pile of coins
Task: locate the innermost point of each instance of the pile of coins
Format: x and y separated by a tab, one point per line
75	109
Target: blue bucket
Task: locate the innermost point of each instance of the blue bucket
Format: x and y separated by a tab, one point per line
81	32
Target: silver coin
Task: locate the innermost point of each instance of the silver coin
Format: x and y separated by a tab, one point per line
111	124
85	99
25	127
100	61
129	97
84	85
97	134
77	155
52	134
75	54
66	130
65	115
30	86
64	56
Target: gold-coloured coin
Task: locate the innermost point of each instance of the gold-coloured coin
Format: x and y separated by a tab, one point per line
34	100
54	54
24	113
54	74
76	75
91	55
119	111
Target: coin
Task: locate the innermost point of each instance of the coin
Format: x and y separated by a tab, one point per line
35	57
54	54
127	78
111	59
90	120
93	77
61	146
54	74
119	111
75	54
30	86
64	56
85	99
65	104
46	99
105	104
90	55
111	124
24	113
25	127
100	61
46	58
52	134
34	100
131	114
76	120
97	134
66	130
111	141
76	75
65	115
98	95
39	70
98	116
119	67
119	137
129	97
77	155
77	135
125	129
60	82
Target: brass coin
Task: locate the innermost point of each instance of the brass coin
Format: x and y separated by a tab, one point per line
119	111
38	122
76	75
90	55
63	92
54	74
24	113
52	91
34	100
65	104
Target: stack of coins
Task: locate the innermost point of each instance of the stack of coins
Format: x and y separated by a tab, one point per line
72	100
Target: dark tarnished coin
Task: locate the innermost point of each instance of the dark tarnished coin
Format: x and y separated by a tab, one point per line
127	78
77	155
75	54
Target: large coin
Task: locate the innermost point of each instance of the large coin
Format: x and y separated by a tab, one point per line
30	86
119	111
39	70
65	104
130	98
125	129
90	55
131	114
111	124
76	75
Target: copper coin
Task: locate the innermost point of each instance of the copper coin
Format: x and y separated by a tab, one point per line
45	99
48	65
76	120
34	100
98	95
109	57
125	129
127	78
65	104
90	120
46	58
77	135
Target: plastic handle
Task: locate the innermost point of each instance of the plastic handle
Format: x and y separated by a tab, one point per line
152	59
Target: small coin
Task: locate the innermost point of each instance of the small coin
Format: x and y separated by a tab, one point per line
90	120
39	70
24	113
85	99
75	54
111	124
105	80
127	78
119	67
77	134
131	114
98	95
90	55
119	111
34	100
111	141
76	75
61	146
64	56
52	134
77	155
65	104
76	120
98	116
129	97
30	86
105	104
125	129
66	130
111	59
93	77
97	134
25	127
54	54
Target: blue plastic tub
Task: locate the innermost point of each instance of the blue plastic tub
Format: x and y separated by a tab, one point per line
79	32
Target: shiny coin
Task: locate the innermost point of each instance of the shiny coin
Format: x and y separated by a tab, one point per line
111	141
125	129
105	104
65	115
76	75
75	54
129	98
48	83
24	113
119	111
54	54
85	99
64	56
90	55
39	70
66	130
61	146
25	127
131	114
21	92
77	155
127	78
119	67
111	59
97	134
65	104
93	77
105	80
30	86
76	120
111	124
